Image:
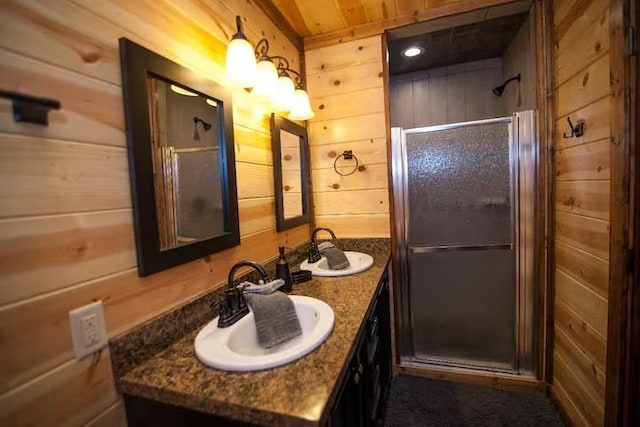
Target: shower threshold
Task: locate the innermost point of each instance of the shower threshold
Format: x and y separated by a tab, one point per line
462	363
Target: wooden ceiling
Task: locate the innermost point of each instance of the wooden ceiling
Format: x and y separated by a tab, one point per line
311	17
325	22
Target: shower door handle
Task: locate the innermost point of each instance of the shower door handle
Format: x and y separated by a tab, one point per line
463	248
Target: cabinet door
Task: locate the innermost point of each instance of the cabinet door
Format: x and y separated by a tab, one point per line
348	410
362	397
378	367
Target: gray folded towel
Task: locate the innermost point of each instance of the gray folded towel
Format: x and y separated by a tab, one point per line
336	259
261	287
275	316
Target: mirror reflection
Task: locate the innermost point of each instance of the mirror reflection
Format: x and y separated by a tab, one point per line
291	174
185	135
181	160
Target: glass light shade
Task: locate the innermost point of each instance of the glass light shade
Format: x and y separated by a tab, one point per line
284	95
241	63
266	80
301	106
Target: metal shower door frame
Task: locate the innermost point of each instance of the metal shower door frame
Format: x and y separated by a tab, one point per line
523	158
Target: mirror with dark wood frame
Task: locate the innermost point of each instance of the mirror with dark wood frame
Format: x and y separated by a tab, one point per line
181	160
291	172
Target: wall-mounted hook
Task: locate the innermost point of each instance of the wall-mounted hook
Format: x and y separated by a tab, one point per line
576	131
30	109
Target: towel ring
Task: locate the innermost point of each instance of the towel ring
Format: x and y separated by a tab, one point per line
348	155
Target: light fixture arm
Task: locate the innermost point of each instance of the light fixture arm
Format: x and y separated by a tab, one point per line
298	78
284	69
262	50
282	64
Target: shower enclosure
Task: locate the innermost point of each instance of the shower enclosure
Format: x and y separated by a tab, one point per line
464	199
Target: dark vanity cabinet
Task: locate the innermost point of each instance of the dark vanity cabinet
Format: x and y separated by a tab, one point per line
363	393
360	396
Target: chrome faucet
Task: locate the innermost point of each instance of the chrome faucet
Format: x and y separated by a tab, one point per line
314	252
234	307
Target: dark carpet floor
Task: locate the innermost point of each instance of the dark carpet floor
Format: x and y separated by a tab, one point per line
423	402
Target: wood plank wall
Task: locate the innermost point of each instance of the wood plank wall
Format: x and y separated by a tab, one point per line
582	184
66	232
345	83
452	94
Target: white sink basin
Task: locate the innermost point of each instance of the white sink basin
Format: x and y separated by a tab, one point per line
236	348
359	263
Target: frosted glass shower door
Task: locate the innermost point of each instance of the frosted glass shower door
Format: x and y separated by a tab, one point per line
460	237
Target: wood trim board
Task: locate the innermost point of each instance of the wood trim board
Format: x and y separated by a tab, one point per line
546	168
619	274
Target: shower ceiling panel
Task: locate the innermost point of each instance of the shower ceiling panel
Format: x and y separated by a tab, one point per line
474	41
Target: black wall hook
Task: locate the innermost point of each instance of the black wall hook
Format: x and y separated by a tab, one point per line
576	131
31	109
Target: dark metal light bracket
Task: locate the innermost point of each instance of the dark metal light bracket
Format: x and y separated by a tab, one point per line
31	109
576	131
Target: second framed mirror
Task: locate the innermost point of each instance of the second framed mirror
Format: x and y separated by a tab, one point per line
291	172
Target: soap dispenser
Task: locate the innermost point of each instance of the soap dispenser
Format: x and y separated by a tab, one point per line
283	272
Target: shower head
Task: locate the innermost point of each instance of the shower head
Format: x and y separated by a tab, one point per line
497	91
205	125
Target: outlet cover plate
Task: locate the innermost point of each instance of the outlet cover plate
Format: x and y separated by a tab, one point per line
87	329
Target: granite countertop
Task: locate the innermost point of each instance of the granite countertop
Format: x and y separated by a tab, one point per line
297	394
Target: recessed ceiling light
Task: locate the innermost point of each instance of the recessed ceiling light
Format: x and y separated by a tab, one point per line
412	51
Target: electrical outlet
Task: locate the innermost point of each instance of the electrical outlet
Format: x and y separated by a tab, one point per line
87	329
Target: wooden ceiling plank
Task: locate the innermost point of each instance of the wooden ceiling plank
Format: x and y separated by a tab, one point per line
321	17
291	12
406	6
280	21
353	12
374	10
380	9
378	27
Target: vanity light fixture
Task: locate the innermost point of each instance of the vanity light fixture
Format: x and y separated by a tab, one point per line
241	64
412	51
284	93
267	73
271	79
